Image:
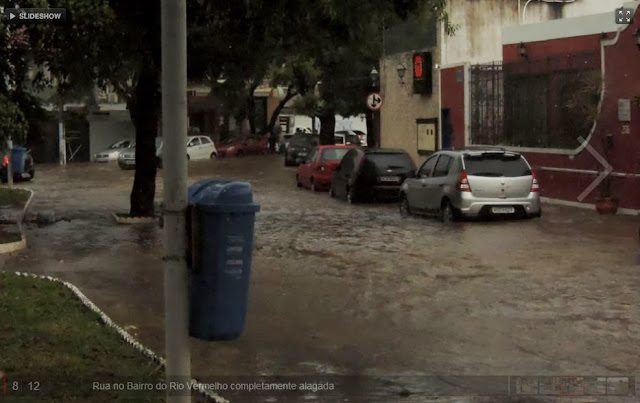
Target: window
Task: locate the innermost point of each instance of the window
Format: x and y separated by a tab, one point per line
334	154
391	160
442	167
339	139
205	140
496	165
194	142
427	168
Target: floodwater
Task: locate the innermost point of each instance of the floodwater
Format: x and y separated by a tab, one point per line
356	289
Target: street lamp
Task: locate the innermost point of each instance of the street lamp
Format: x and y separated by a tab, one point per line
522	50
401	72
375	76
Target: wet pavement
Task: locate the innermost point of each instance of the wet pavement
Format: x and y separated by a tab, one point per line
342	289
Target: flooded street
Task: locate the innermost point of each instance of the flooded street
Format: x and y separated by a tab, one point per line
356	289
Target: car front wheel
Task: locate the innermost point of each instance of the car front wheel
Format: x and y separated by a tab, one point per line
405	210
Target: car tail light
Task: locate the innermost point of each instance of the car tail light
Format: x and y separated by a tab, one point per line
463	183
5	161
535	185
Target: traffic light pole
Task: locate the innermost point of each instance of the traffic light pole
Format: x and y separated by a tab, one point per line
174	129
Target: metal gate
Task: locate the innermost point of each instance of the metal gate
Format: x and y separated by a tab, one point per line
487	103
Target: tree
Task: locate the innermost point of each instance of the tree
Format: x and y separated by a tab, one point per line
344	38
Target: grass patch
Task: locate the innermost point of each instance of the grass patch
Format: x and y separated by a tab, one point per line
48	336
13	198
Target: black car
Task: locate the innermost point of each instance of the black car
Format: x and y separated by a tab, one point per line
299	147
371	174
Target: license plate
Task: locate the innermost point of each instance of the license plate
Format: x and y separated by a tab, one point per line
302	154
503	210
389	179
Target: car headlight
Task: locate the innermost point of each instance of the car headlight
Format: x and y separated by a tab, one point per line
230	149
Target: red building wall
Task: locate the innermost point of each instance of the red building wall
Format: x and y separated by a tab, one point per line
453	99
622	81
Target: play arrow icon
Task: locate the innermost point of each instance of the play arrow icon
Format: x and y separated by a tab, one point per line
12	16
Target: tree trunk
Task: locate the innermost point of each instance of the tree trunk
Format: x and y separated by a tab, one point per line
327	128
276	112
145	111
251	107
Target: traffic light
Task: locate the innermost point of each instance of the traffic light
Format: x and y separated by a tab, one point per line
422	73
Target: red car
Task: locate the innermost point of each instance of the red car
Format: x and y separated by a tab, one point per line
247	146
315	173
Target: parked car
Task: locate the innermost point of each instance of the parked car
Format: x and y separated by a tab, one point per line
315	173
22	170
127	158
299	147
281	147
346	137
366	174
362	136
471	183
247	146
113	151
198	148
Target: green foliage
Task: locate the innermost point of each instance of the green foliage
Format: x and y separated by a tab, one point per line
12	122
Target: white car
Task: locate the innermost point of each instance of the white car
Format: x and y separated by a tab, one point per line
113	152
198	148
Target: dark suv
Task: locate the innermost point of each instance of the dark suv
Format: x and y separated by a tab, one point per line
300	146
374	173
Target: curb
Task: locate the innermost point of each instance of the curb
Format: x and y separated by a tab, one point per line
134	220
123	333
11	247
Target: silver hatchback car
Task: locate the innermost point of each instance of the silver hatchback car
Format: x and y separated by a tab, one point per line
472	183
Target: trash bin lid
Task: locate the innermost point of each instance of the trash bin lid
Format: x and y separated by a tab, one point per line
215	195
18	148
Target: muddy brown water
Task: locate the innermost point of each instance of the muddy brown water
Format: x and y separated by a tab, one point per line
342	289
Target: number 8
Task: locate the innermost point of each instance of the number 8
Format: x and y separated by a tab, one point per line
15	385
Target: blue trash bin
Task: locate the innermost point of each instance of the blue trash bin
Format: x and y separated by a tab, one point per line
18	159
221	218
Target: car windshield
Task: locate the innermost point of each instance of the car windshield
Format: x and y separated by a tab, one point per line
496	164
334	154
390	160
303	140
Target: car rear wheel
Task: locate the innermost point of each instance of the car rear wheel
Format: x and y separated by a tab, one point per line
298	183
447	213
213	155
405	210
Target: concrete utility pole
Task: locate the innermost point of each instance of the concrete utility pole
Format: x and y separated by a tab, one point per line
174	130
